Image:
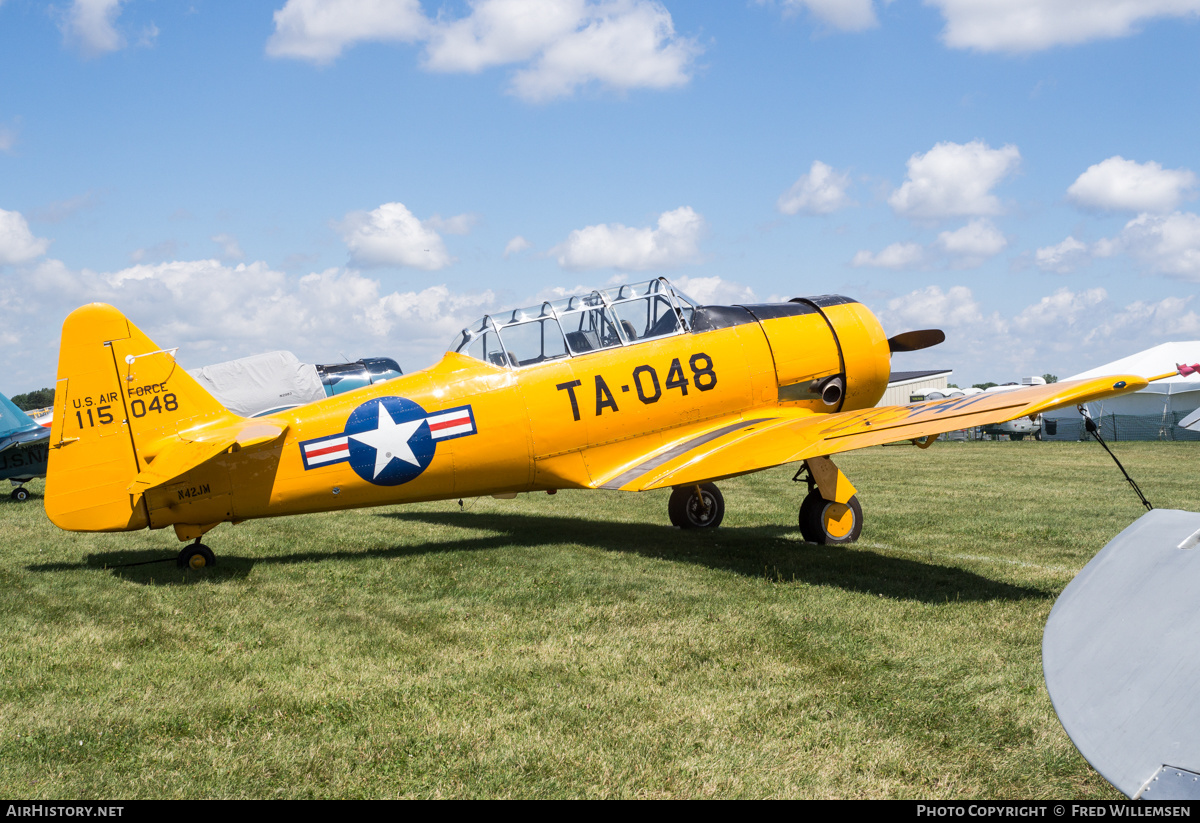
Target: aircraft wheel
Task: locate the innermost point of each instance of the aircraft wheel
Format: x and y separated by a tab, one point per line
827	523
196	556
20	495
688	511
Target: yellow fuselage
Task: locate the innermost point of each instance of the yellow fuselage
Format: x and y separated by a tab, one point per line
572	422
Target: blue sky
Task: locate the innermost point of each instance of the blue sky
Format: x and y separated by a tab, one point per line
347	178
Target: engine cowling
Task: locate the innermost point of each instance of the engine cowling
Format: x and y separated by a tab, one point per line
831	353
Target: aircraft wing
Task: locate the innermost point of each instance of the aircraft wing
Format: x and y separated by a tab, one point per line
748	442
189	450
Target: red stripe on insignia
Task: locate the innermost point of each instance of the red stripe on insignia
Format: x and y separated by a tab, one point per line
327	450
451	423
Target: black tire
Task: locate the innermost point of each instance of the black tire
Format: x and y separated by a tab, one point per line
824	521
1016	436
20	495
196	557
687	511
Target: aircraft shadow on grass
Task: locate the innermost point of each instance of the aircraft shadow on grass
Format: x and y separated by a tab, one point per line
760	551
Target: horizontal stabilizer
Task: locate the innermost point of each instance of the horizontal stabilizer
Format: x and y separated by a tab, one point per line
187	451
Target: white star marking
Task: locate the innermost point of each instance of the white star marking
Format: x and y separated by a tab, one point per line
390	440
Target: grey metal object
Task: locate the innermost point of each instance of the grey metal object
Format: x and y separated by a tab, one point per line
1121	656
1170	783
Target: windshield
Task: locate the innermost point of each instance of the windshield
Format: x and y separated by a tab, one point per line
598	320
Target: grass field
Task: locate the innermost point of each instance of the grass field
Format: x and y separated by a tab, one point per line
575	645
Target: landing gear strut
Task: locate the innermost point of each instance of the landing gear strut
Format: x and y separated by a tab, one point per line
696	507
831	513
196	556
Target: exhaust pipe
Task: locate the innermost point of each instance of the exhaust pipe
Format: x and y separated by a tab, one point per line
831	390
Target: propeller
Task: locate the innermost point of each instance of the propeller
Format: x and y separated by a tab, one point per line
916	340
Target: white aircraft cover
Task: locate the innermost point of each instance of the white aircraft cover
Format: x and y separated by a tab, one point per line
261	382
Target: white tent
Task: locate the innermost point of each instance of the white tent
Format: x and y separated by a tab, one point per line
1150	414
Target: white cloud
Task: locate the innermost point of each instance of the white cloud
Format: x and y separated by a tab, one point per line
621	44
952	180
8	139
1065	332
973	243
217	312
88	26
230	250
1064	309
1166	244
458	224
500	32
1117	184
714	290
318	30
517	245
895	256
1169	317
391	236
963	248
1032	25
17	243
673	243
561	44
847	15
1062	258
821	191
931	307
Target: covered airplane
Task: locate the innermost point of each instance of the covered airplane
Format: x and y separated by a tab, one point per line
632	388
23	448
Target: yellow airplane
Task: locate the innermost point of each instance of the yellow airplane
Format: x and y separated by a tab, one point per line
632	388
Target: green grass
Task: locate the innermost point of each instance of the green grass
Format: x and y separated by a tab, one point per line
574	645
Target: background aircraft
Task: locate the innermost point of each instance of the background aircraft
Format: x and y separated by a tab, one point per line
23	448
631	388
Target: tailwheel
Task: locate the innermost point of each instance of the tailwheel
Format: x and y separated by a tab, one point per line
828	523
696	507
19	494
196	556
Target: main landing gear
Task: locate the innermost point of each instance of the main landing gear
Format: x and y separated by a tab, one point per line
828	522
830	513
696	507
196	556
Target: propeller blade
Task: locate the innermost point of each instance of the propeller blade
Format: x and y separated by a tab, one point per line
915	340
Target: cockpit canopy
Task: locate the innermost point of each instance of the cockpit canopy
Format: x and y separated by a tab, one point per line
601	319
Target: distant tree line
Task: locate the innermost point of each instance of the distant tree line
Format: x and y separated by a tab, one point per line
39	399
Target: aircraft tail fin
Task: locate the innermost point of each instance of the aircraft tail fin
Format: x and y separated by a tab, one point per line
12	419
118	402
